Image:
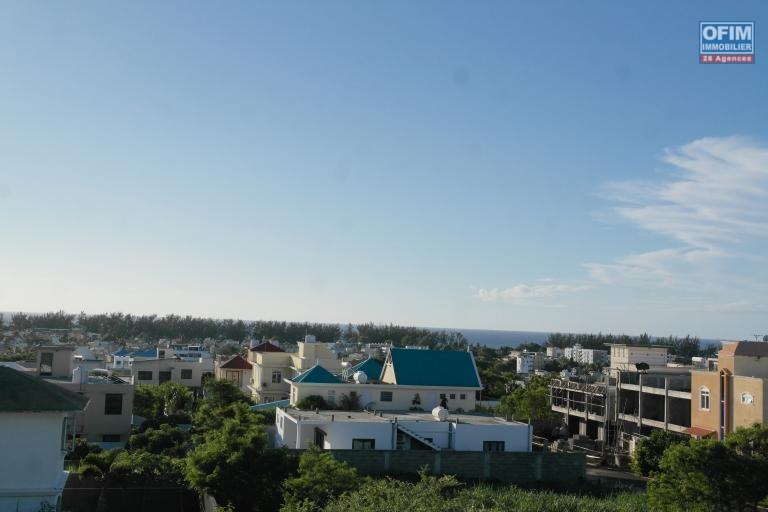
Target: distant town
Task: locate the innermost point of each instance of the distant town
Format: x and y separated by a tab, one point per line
179	408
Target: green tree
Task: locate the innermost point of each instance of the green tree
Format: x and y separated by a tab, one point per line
704	475
320	478
648	453
233	464
312	402
530	402
169	402
220	393
164	440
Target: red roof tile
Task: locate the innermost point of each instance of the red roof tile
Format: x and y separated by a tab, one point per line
266	347
699	432
236	363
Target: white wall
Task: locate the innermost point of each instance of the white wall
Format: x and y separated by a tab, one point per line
31	459
516	436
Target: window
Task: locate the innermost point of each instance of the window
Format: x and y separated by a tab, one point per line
46	363
110	438
145	375
463	396
386	396
232	376
277	377
493	446
113	403
453	396
64	433
186	374
442	396
331	396
747	399
363	444
704	398
161	354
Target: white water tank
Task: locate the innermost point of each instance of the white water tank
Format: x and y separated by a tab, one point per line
310	338
440	413
360	377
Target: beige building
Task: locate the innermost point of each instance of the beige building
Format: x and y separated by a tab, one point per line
625	357
734	395
272	367
107	417
236	370
189	373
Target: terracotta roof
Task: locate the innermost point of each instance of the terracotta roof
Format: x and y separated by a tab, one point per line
28	393
236	363
699	432
266	347
746	348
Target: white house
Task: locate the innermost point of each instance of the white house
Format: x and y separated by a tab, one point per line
410	379
406	430
186	372
34	435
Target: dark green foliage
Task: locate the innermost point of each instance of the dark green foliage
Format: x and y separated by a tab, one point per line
57	320
312	402
19	356
529	403
496	372
706	474
169	402
81	449
401	336
164	440
220	393
648	453
349	402
320	478
233	464
212	417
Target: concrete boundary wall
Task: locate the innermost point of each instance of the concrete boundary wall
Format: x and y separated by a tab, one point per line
508	467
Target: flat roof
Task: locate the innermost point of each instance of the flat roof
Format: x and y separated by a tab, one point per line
391	416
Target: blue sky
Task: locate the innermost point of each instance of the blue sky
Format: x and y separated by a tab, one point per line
509	165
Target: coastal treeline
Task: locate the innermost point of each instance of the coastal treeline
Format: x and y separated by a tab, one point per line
683	348
121	326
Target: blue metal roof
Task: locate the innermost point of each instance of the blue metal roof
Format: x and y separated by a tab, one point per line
371	367
445	368
317	375
122	352
147	352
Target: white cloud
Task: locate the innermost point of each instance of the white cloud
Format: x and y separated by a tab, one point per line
522	292
712	206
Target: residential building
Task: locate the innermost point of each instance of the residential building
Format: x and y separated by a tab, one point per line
626	357
272	366
733	395
555	352
35	433
410	380
529	362
107	419
408	430
187	372
582	355
237	370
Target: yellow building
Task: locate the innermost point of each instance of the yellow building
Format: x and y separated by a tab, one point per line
272	366
734	395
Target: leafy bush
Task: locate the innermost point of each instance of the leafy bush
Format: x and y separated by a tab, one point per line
648	453
320	479
312	402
